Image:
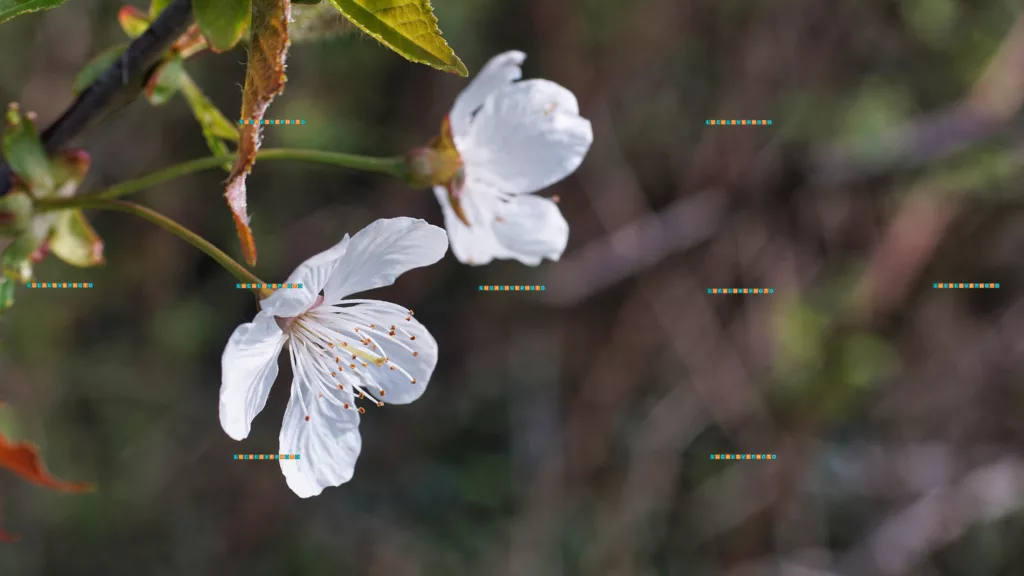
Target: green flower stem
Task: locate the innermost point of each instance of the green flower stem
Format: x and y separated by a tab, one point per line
390	166
394	166
178	230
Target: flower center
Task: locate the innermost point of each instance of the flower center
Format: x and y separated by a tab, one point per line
336	350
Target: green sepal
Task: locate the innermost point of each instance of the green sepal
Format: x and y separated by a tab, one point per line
15	213
7	286
74	240
133	21
96	67
25	154
222	21
17	258
217	129
69	168
165	81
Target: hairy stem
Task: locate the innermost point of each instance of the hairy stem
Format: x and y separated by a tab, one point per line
390	166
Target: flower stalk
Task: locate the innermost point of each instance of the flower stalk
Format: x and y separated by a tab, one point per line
395	167
229	264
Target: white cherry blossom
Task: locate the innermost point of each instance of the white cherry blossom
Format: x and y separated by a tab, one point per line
343	351
514	138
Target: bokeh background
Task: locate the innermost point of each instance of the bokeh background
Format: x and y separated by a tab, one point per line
570	434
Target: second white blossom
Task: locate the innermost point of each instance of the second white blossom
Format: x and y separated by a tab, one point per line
506	140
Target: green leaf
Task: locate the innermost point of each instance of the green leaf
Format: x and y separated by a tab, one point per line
165	81
222	21
408	27
133	21
25	153
95	67
69	168
74	241
11	8
217	129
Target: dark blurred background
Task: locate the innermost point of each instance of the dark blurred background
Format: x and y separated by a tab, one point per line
570	433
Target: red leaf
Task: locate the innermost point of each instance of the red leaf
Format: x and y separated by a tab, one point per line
264	80
24	460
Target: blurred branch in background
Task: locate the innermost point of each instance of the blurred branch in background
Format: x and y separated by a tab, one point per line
635	248
929	207
984	115
939	517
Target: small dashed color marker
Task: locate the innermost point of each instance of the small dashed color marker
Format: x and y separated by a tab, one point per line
513	288
738	122
742	457
58	285
266	457
959	285
741	290
270	286
276	122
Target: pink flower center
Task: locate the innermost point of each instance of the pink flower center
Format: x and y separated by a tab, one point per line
286	323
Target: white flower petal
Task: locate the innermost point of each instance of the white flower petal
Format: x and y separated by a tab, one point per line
248	369
383	251
327	444
532	228
393	333
499	71
313	274
476	244
527	137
